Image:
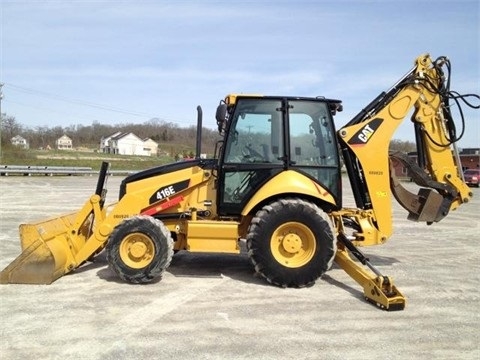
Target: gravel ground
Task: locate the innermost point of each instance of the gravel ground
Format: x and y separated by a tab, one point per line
213	307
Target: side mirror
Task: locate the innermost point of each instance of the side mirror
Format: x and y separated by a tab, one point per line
221	116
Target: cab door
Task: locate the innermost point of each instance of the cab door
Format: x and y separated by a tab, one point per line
312	142
254	151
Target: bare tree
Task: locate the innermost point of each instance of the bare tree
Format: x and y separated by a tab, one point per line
10	128
404	146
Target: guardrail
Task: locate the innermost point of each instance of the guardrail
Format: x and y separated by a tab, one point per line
26	170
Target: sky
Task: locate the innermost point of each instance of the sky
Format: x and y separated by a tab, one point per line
66	62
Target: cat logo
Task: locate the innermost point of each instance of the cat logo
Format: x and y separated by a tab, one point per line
366	133
363	135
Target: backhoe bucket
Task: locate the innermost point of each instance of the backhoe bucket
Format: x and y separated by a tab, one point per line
47	251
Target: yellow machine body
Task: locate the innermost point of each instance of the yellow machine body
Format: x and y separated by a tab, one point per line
51	248
276	182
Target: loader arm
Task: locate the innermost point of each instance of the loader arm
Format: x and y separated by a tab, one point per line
364	141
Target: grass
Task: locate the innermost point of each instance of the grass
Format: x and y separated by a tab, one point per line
83	158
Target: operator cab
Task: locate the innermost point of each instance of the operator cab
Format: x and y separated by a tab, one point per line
265	135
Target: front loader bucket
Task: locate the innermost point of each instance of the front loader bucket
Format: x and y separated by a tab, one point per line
48	251
54	247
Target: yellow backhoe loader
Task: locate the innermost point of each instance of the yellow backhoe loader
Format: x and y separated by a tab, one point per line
274	181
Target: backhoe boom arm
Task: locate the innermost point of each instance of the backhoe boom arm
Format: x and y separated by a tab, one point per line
365	143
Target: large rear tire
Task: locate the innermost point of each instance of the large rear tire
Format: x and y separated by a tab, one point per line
291	242
140	249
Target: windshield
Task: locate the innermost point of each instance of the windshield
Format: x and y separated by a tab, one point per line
256	136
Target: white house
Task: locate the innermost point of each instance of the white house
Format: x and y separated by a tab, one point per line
128	144
152	145
20	142
63	143
105	143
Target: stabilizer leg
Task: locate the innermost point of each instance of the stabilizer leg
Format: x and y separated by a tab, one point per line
377	289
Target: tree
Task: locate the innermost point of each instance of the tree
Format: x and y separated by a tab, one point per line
42	136
10	128
172	138
403	146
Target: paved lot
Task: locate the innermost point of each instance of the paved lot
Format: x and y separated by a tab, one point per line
212	307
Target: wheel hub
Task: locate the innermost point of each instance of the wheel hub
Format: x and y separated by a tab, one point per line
292	243
136	250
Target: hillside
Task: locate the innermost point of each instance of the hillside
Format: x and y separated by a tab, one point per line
79	158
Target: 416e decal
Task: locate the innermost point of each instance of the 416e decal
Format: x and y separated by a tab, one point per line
168	191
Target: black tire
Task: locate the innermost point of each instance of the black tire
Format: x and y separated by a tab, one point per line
291	242
140	249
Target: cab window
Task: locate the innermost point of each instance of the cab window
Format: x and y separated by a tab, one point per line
313	148
256	133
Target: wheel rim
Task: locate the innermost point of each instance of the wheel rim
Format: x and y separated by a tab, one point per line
293	244
137	250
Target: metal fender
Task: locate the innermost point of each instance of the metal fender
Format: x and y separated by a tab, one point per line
288	182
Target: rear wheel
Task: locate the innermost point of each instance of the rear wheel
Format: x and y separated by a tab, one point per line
291	242
140	249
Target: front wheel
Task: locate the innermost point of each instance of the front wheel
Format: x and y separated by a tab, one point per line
291	242
140	249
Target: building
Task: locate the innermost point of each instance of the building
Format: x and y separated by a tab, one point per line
469	159
20	142
128	144
105	143
151	145
64	143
